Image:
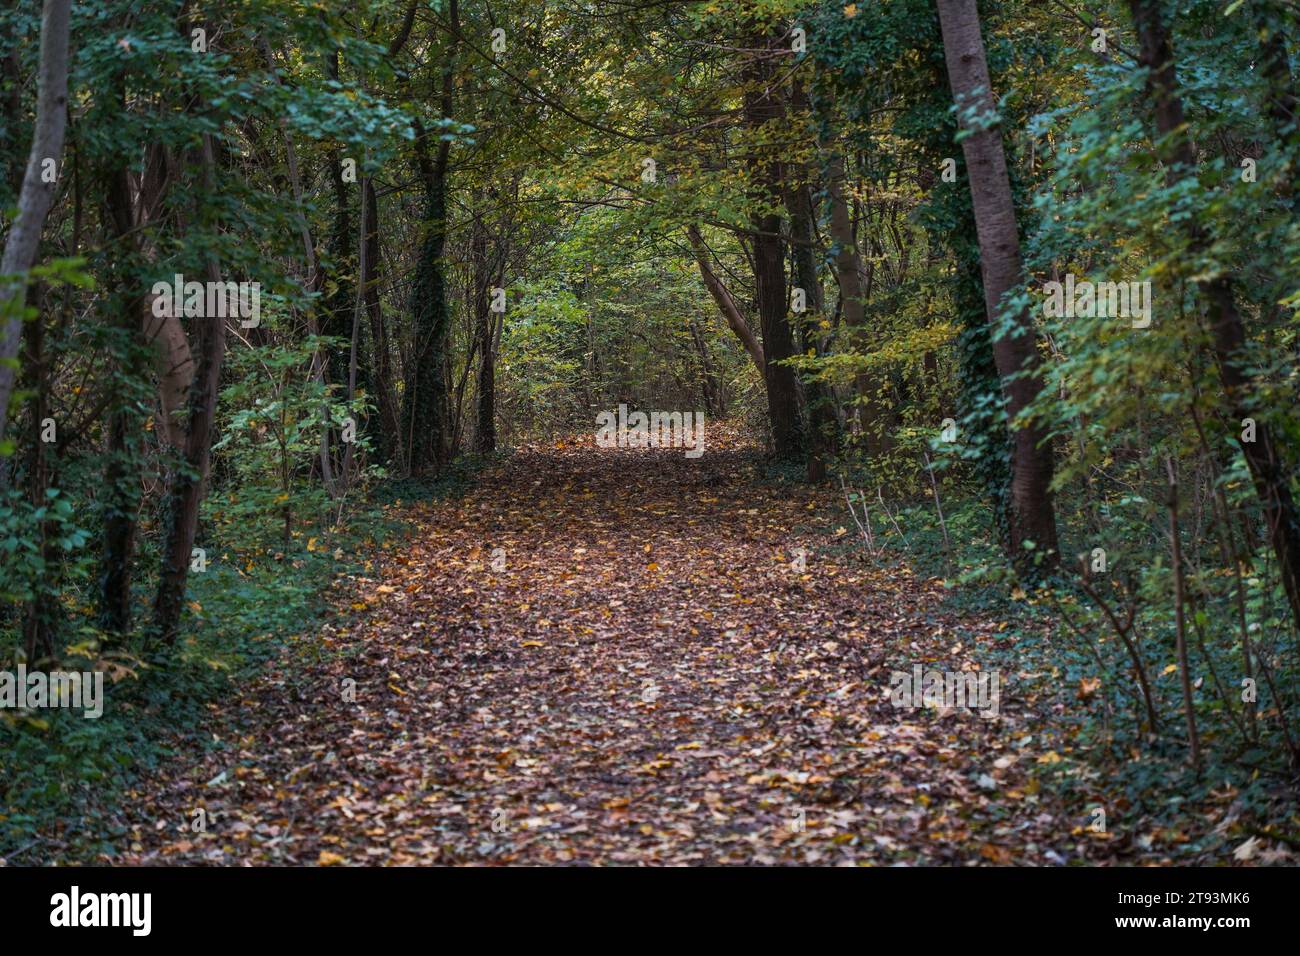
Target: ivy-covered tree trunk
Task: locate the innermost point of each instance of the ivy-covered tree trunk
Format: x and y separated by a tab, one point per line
1264	456
425	412
120	497
426	402
979	372
1032	516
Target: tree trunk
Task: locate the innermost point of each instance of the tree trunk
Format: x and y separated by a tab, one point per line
186	492
486	430
1263	456
388	446
426	410
822	422
725	300
847	265
1032	518
763	107
35	196
120	496
868	415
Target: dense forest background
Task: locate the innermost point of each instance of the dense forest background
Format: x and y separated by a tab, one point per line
476	226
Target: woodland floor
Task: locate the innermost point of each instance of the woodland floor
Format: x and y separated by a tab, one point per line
648	680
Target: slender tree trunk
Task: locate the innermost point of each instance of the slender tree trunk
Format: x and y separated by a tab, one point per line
486	430
822	421
120	496
868	414
36	195
726	301
358	310
710	384
186	492
1263	456
389	443
1032	518
1180	623
762	107
331	368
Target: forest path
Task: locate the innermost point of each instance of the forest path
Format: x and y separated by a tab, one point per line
646	680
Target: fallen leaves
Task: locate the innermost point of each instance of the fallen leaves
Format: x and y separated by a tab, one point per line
706	706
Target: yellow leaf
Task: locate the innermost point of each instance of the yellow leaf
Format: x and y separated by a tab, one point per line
851	10
329	859
311	544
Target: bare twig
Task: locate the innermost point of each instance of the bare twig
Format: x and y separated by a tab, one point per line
1180	627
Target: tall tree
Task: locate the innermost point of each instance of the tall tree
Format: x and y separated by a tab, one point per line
185	493
37	190
1031	514
485	330
763	111
426	411
1228	331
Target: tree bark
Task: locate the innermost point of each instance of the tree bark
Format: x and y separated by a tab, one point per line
186	492
35	196
426	409
486	431
822	421
1031	514
868	414
726	301
847	264
120	496
762	107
